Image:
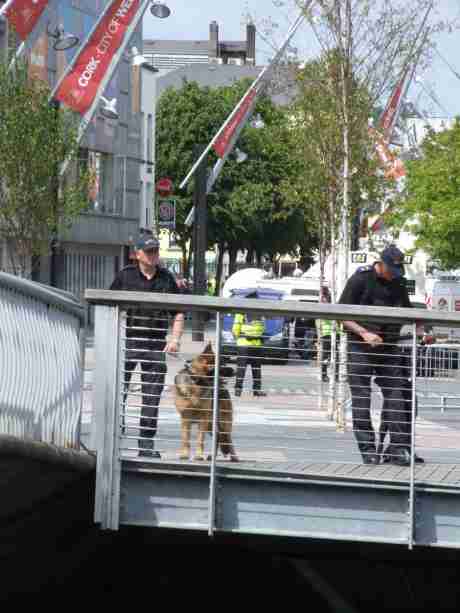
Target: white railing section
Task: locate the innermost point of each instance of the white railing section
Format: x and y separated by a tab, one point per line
41	342
367	422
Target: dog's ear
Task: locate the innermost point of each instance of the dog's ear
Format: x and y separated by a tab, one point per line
208	349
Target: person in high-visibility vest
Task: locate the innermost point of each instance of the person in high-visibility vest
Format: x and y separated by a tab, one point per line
324	327
249	332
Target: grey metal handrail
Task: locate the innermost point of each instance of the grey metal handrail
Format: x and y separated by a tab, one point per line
339	312
51	295
41	344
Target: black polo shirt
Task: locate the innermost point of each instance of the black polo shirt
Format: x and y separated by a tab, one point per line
146	328
366	287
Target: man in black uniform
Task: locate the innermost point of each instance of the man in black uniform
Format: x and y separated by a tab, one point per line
372	350
146	332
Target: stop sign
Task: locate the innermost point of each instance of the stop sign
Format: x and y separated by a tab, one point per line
164	187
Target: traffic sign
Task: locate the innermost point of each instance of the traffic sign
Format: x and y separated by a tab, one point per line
167	213
164	187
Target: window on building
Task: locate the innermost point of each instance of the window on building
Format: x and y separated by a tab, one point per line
107	181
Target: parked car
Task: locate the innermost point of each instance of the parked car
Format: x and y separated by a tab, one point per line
276	339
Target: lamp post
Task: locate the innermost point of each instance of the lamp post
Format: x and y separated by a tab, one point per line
199	242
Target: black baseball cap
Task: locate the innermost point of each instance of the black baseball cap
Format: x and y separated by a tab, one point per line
393	258
147	243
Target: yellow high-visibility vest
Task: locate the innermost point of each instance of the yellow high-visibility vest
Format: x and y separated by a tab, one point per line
248	333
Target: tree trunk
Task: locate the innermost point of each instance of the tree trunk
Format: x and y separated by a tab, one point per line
232	255
250	257
345	70
185	260
219	267
333	248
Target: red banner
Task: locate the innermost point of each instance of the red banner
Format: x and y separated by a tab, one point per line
393	167
222	143
389	116
23	15
79	88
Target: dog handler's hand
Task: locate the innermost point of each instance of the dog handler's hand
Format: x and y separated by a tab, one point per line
172	346
372	339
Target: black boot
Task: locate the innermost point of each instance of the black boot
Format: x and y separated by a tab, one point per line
371	458
369	454
400	457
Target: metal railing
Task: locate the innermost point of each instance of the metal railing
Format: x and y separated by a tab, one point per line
312	407
41	341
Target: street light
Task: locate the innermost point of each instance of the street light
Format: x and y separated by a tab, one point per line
241	156
137	58
109	110
258	123
160	10
63	40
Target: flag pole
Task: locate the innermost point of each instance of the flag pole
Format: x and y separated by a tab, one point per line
5	7
74	59
298	22
413	55
88	116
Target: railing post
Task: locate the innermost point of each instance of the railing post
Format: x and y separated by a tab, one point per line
412	440
333	380
107	414
215	428
341	419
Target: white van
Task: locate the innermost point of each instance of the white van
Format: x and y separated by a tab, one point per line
443	294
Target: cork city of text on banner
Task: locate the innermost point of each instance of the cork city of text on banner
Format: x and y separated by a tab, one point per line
80	86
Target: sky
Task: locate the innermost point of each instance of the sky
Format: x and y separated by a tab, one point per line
190	20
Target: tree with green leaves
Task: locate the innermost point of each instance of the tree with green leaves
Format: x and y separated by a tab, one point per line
245	206
372	43
35	138
429	208
318	152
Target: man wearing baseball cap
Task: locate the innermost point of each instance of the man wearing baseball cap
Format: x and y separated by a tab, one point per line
146	332
373	350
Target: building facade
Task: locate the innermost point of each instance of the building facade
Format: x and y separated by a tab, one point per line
96	246
173	54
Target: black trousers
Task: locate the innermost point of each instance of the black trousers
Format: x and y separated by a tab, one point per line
153	372
249	356
389	365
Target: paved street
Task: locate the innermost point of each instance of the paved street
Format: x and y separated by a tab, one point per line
291	423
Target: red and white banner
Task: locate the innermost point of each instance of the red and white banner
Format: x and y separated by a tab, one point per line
79	88
223	142
393	167
23	15
390	115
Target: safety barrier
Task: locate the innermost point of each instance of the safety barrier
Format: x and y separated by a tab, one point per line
328	405
41	340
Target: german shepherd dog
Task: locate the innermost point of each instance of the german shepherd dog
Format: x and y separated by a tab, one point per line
194	386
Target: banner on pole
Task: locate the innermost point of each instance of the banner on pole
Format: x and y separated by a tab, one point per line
390	115
225	139
79	88
222	143
392	166
24	15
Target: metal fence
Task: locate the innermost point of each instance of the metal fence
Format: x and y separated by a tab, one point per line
309	403
41	340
